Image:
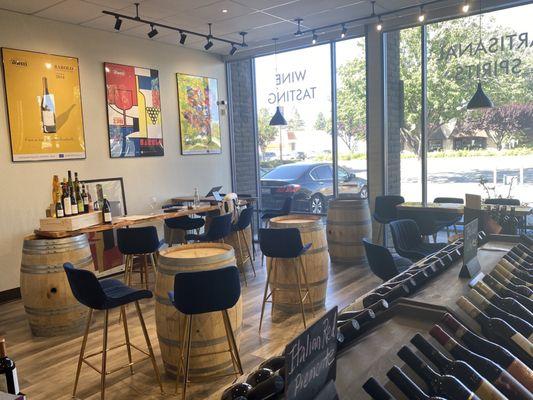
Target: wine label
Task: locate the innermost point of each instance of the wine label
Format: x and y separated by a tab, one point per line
86	201
521	373
523	343
488	392
3	383
81	208
68	207
107	217
15	380
48	118
60	213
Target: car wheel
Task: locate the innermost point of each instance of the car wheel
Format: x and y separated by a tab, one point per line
364	192
317	205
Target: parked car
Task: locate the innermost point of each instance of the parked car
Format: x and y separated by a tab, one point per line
310	185
269	156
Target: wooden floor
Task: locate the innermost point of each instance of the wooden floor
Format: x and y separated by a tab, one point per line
46	366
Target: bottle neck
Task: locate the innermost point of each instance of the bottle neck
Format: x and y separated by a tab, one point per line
473	311
3	352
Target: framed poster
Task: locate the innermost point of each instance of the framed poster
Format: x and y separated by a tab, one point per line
133	100
199	118
44	106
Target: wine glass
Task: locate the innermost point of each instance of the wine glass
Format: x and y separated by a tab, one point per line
153	204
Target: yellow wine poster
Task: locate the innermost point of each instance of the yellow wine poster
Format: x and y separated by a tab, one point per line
44	106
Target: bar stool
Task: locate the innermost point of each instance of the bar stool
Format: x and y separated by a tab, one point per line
106	295
137	242
284	210
244	221
385	211
382	263
185	224
284	243
219	228
203	292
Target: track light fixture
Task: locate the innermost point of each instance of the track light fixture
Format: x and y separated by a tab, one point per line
233	50
379	25
118	23
183	37
343	32
466	6
421	15
243	42
299	30
315	38
152	32
209	43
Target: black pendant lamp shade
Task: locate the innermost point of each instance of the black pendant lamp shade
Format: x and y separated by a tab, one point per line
278	119
479	100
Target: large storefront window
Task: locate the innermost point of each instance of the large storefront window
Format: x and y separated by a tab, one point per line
487	152
296	159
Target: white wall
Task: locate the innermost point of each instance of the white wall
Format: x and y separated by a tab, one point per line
26	186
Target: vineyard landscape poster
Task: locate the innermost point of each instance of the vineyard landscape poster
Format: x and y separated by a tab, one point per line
133	111
199	119
44	106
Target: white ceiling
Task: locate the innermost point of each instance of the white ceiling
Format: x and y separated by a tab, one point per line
262	19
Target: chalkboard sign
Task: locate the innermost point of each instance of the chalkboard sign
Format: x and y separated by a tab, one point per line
310	361
471	265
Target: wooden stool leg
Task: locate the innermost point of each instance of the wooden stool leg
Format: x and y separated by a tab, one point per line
248	250
82	350
127	335
187	358
304	272
265	293
104	356
149	345
145	263
180	367
154	262
242	258
231	341
300	295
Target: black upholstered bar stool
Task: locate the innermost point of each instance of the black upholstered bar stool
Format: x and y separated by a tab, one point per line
203	292
106	295
244	221
284	243
138	242
184	224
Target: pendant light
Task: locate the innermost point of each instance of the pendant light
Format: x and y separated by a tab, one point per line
480	99
277	119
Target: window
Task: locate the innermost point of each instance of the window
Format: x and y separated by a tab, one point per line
322	173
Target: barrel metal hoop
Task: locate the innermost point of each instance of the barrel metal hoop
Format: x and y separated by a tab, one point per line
198	343
53	311
50	269
337	243
348	223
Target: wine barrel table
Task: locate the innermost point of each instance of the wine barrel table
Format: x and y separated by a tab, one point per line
348	222
208	335
48	301
316	261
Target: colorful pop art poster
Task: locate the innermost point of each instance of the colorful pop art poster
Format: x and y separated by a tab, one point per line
199	118
44	106
133	111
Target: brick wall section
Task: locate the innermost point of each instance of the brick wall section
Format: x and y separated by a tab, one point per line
242	129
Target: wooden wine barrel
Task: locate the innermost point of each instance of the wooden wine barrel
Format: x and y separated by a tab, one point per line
316	261
208	335
348	223
50	305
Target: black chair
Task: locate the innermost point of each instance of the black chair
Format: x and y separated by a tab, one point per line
385	210
106	295
138	242
446	219
243	222
205	292
266	215
382	263
184	224
408	240
219	228
503	202
428	222
284	243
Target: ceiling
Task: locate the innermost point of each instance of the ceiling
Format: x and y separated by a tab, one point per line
262	19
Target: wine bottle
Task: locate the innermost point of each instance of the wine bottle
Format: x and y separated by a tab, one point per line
499	331
399	291
48	109
60	213
85	199
504	292
258	376
8	371
106	211
363	317
500	355
520	289
347	332
524	248
73	202
512	278
273	363
267	388
376	391
441	385
525	276
511	256
407	386
507	304
77	191
515	263
521	326
67	205
89	198
235	391
460	369
522	254
491	371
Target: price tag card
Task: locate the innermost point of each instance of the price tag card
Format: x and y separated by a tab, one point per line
471	265
310	359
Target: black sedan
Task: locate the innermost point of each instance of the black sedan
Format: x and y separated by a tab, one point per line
310	185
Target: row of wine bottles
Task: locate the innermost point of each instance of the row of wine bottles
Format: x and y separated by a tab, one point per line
72	197
506	218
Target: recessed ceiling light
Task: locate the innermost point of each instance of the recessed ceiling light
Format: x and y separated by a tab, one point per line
224	10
